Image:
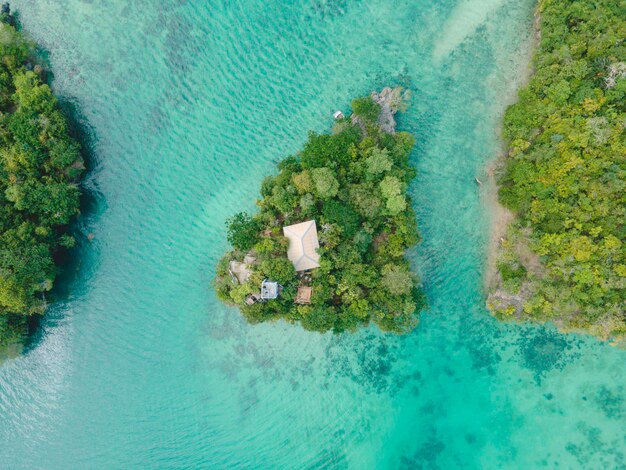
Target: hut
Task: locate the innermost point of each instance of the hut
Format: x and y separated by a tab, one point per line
303	245
269	289
304	295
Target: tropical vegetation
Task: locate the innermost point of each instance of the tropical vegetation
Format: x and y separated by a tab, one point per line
564	260
40	165
353	182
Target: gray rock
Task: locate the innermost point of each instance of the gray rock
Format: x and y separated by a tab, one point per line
391	100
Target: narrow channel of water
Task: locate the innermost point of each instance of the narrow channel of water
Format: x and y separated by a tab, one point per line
188	105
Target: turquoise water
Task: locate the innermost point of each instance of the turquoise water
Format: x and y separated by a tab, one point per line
187	105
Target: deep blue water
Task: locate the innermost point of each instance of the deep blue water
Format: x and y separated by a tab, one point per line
186	106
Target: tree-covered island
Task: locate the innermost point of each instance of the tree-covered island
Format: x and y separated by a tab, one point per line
564	258
40	165
327	248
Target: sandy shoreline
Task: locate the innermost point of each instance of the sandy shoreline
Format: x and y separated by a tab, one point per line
500	216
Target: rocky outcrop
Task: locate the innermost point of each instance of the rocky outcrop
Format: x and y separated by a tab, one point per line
391	100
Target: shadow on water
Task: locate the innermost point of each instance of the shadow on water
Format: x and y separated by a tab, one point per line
92	202
92	206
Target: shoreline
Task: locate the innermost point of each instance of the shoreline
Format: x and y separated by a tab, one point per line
501	217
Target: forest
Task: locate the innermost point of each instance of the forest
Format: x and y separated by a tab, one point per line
353	183
40	167
564	259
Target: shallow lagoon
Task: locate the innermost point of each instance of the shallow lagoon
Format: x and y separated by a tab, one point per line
187	105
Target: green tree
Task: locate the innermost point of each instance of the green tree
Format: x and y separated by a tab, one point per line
326	185
366	199
318	318
378	162
366	108
278	269
397	279
390	186
243	231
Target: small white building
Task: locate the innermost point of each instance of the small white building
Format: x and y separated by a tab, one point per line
303	245
269	290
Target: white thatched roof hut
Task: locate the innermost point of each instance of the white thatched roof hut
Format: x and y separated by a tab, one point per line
303	245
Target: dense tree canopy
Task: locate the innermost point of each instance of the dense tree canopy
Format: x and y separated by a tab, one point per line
39	168
565	176
353	182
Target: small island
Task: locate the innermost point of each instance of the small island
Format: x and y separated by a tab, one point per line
327	248
40	166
